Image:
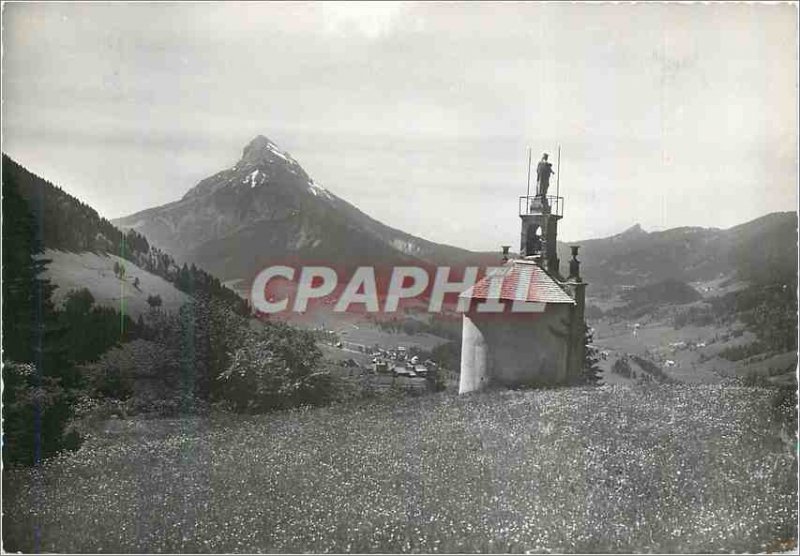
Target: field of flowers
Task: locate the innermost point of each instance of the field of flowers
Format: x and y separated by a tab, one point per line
610	469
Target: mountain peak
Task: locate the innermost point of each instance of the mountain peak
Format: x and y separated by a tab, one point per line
259	142
257	148
635	230
265	155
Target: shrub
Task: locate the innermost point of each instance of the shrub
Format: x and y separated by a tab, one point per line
114	374
591	371
622	367
275	367
436	379
154	301
197	344
593	312
653	370
785	401
90	330
35	413
737	353
448	355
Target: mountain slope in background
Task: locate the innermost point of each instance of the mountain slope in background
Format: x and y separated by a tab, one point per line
82	247
763	250
266	210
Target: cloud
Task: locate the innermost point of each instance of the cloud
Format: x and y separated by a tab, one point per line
406	107
370	19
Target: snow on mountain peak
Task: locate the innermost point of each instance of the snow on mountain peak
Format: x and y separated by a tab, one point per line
254	178
261	150
258	143
318	189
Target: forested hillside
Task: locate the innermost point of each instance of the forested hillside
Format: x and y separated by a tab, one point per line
43	346
67	365
762	251
63	222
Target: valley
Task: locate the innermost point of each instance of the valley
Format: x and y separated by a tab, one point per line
692	335
399	278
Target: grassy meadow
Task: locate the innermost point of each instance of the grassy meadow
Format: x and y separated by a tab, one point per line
610	469
73	271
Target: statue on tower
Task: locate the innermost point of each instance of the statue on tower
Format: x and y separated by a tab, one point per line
575	265
543	172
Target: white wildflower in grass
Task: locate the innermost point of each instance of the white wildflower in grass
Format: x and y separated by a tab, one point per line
655	469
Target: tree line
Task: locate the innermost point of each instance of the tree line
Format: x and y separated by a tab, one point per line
60	221
42	346
58	361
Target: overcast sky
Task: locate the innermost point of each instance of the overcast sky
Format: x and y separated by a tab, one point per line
419	114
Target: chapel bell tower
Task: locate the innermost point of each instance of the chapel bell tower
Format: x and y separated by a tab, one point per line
540	215
542	344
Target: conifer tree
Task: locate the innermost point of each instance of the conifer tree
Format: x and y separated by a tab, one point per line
38	377
591	369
